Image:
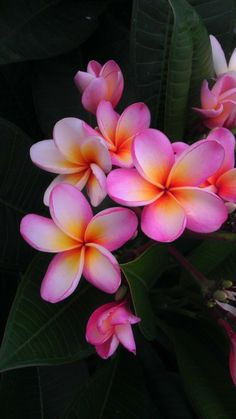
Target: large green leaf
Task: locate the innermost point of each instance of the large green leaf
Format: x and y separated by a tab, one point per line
43	28
141	274
206	379
171	54
117	391
21	191
40	333
40	393
219	17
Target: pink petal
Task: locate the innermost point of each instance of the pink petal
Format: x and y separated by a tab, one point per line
122	157
232	355
205	212
127	187
107	120
227	140
122	315
82	80
95	152
125	336
70	210
115	82
96	186
101	269
219	61
109	67
134	119
194	166
93	333
179	147
232	61
62	276
107	349
164	220
210	113
94	68
77	179
42	234
208	100
69	134
46	155
94	93
153	156
112	228
223	83
226	186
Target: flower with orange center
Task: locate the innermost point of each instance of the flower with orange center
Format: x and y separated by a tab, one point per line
78	155
169	188
119	130
83	242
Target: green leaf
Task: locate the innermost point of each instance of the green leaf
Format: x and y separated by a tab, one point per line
55	94
141	274
116	391
219	18
40	333
40	393
21	190
171	54
207	382
40	29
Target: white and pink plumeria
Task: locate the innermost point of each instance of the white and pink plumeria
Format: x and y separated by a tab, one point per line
83	242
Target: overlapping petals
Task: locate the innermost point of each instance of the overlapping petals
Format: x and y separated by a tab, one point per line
219	103
168	187
100	83
78	155
224	179
110	325
119	130
219	60
84	242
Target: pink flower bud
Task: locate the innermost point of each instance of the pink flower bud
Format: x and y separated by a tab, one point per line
232	355
110	325
100	83
219	103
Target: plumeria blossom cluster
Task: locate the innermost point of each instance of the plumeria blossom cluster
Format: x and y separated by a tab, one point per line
178	186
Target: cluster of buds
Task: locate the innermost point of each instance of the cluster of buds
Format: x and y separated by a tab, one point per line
179	187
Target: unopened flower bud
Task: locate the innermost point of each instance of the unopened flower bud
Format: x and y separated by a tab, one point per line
227	283
220	296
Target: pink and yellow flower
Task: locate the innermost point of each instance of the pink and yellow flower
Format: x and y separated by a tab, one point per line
78	155
219	60
219	103
110	325
100	82
223	182
83	242
232	355
168	188
119	130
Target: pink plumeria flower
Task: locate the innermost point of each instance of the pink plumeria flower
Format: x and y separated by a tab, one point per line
78	155
83	242
219	103
219	60
169	189
223	182
100	82
232	355
110	325
119	130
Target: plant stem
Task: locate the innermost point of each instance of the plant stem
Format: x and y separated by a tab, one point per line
202	281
